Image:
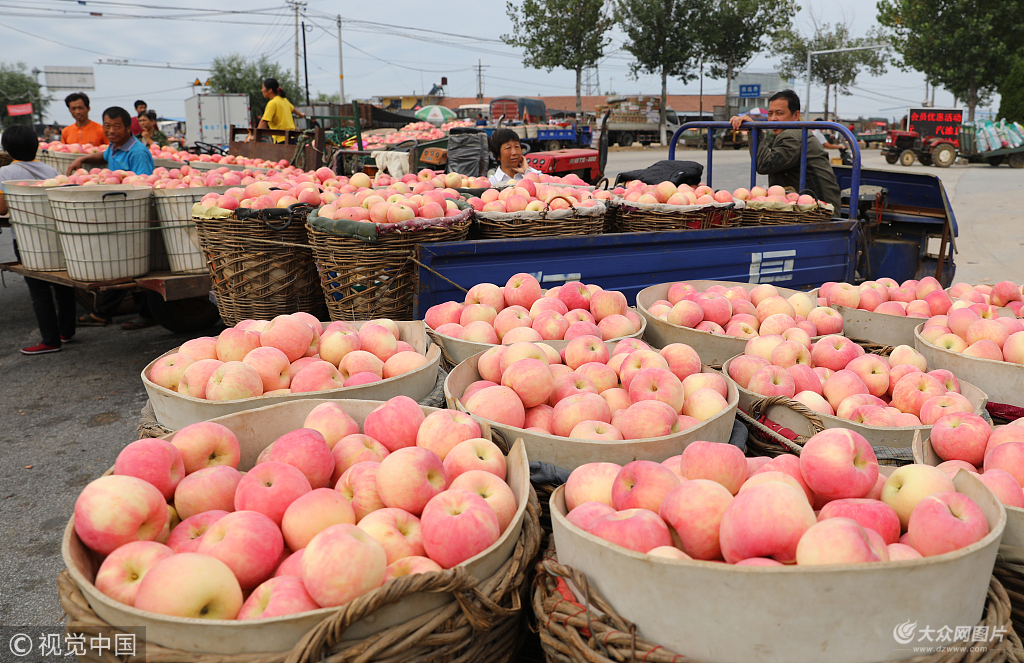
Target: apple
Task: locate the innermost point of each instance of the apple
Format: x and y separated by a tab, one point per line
397	531
826	321
522	290
642	484
457	525
441	431
766	521
686	313
870	513
945	521
873	371
167	371
196	377
204	347
248	542
190	585
342	563
474	454
153	460
694	510
410	477
657	384
636	529
114	510
437	315
835	352
288	334
913	390
500	404
353	449
744	367
493	490
233	344
531	380
269	488
908	485
312	513
835	541
304	449
234	380
278	597
580	407
209	489
122	571
772	380
188	534
591	482
645	419
838	463
585	514
357	361
602	376
396	423
721	463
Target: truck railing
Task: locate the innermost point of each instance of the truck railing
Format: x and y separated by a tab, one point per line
805	127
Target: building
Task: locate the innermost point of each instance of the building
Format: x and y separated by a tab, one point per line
764	84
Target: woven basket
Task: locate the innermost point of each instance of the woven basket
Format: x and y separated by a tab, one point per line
363	280
483	624
633	217
592	632
1011	576
572	221
763	216
260	264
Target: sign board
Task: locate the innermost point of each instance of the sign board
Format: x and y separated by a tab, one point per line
70	78
750	91
19	109
938	122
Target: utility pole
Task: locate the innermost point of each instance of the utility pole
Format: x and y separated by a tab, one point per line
305	62
341	65
296	5
479	80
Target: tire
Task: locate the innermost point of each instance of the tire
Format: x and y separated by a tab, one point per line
891	157
736	146
182	316
719	143
626	139
553	145
925	159
995	161
944	155
1016	160
907	158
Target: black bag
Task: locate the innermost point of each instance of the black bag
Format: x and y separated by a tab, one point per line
468	152
676	172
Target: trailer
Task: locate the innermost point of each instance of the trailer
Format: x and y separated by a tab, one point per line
210	118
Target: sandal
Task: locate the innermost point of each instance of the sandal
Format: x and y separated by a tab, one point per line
138	323
93	320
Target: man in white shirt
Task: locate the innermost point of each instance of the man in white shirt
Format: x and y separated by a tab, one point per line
506	148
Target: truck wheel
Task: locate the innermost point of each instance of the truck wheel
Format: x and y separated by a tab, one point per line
626	139
907	158
1016	160
994	161
944	155
891	157
925	159
553	145
719	143
182	316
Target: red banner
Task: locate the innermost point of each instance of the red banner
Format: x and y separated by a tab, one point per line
19	109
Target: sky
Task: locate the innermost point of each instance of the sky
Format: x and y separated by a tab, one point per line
391	47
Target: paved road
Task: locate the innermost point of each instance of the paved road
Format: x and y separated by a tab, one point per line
66	416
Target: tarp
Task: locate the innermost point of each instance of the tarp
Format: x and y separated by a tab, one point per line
468	153
676	172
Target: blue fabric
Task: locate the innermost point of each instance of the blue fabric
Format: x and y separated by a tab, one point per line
133	156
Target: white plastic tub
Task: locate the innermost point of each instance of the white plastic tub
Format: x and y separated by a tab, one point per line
1004	381
878	436
885	328
570	453
256	429
714	349
719	613
174	209
460	350
176	411
104	230
34	226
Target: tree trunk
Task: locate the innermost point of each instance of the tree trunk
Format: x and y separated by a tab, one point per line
579	101
835	104
828	91
664	103
972	101
728	82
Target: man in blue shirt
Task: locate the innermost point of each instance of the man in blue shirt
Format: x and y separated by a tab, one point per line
125	152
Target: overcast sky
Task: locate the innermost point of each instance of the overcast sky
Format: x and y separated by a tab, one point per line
390	47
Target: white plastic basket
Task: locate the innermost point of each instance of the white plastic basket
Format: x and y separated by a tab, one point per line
34	226
104	230
174	209
46	156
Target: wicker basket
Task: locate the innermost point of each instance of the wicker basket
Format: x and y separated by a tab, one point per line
756	214
572	221
260	264
577	625
363	279
484	624
633	217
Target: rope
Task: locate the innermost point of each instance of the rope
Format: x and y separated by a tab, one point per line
438	275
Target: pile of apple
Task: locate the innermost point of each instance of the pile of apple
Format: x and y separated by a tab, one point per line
977	331
171	152
736	311
238	160
912	299
713	504
1004	293
456	123
835	377
71	148
527	196
631	393
412	494
391	205
290	354
966	441
521	311
421	131
438	179
159	152
667	193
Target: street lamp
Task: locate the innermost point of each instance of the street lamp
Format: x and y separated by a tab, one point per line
807	99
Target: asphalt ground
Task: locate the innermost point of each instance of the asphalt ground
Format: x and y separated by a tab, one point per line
65	416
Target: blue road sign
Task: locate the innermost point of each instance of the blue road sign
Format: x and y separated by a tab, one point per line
750	91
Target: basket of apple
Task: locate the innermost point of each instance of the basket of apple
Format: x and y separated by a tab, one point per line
886	312
837	385
241	535
978	345
595	400
775	206
666	206
522	311
529	209
719	317
829	531
260	362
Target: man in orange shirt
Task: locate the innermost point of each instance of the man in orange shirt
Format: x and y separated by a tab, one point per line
83	130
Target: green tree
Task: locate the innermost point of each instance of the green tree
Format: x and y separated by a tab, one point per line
17	86
236	74
1011	94
734	31
966	46
664	38
569	34
836	71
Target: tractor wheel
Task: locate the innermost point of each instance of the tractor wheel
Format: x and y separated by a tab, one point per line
719	143
553	145
626	139
907	158
1016	160
995	161
925	159
944	155
891	157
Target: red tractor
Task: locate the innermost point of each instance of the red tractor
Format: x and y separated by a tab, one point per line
905	146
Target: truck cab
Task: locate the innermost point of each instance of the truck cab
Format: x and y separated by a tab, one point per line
524	109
